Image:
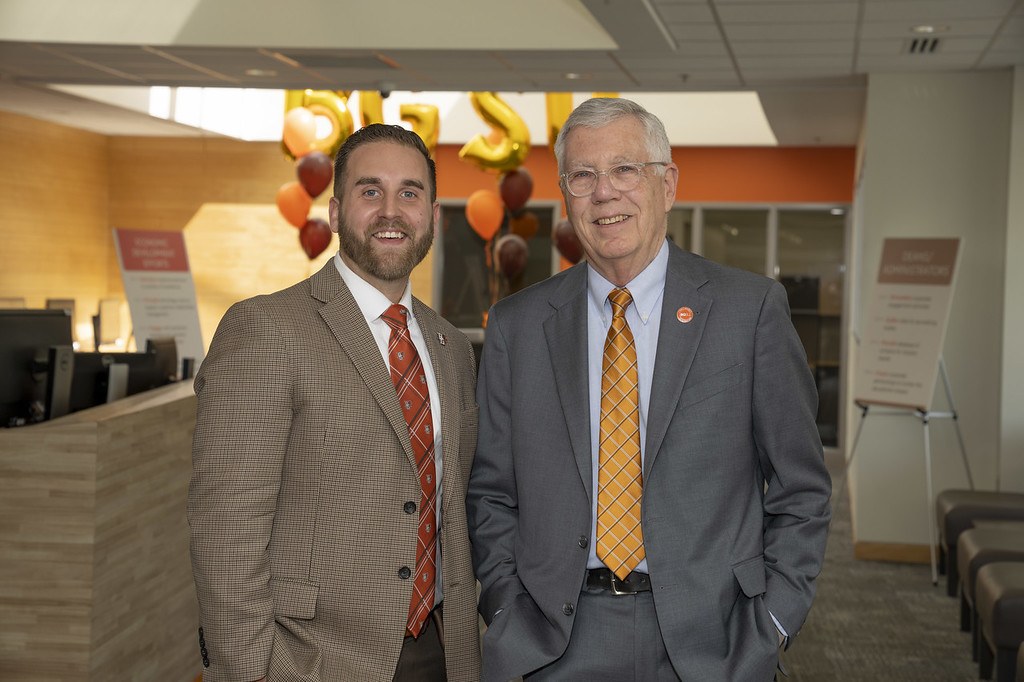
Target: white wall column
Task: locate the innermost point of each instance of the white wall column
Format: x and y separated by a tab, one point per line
936	164
1011	446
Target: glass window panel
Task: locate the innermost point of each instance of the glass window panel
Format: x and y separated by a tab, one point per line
811	257
465	285
680	227
736	237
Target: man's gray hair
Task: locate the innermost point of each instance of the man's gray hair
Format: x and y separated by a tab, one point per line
600	111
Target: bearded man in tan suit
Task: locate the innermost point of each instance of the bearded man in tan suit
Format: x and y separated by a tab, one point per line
327	502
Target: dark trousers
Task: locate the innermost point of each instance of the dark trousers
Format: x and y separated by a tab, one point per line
614	637
422	658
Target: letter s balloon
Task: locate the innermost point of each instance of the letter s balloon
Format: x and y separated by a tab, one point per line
511	150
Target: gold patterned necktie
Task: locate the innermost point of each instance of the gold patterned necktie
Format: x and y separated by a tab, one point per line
414	398
620	543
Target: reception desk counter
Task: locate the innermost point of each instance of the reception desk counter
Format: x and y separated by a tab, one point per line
95	581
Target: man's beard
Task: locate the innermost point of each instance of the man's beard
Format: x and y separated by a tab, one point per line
396	266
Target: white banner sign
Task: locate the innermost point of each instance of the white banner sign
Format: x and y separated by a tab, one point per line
905	322
159	288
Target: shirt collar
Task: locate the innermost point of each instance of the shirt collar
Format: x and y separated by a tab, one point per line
646	288
372	303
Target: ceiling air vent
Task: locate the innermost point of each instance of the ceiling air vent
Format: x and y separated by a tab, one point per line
928	45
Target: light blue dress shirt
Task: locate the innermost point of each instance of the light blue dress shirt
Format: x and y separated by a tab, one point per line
644	319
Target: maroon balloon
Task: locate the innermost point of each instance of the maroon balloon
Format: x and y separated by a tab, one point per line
314	237
567	243
516	187
315	172
511	251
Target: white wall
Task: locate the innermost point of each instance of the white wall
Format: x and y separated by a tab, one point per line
1011	475
936	164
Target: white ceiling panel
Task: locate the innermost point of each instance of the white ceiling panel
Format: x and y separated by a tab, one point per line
685	13
961	27
686	32
788	12
932	62
836	31
930	11
804	48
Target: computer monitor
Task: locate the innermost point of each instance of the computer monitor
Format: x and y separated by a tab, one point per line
25	339
83	380
166	351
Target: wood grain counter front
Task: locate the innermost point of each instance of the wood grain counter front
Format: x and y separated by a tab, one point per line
95	581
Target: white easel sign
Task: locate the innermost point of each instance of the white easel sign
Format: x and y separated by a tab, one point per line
159	288
905	322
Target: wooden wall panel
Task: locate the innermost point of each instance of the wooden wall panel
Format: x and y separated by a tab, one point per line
47	503
53	213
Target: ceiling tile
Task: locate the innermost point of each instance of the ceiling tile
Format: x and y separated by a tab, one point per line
833	31
685	32
696	62
840	64
788	12
913	62
960	27
815	48
931	11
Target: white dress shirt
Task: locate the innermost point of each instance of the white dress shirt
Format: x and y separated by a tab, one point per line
372	303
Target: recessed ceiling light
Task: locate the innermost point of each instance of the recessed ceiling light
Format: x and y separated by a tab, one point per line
928	29
260	72
572	76
837	211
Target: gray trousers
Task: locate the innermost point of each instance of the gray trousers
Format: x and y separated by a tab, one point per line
614	638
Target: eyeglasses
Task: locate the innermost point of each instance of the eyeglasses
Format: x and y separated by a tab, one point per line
624	177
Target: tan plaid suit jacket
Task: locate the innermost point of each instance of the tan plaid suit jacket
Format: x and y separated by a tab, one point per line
301	468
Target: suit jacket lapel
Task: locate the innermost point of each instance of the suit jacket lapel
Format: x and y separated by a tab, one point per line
566	334
346	322
446	376
677	345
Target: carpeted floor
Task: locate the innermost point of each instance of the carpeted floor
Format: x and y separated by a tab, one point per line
878	621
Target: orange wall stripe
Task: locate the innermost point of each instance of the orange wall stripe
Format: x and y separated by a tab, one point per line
707	174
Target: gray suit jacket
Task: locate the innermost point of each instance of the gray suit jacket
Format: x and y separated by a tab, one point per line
301	467
736	495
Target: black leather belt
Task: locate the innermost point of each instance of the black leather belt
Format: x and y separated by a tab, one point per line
604	579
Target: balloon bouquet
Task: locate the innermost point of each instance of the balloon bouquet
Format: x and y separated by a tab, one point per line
313	161
504	151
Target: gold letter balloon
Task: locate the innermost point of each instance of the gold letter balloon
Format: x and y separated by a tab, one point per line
514	144
299	137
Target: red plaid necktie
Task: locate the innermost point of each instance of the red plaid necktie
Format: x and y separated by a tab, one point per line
414	399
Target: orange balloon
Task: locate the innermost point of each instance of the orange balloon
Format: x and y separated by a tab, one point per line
299	131
294	203
485	213
525	225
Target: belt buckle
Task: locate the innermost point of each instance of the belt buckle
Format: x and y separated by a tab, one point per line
618	586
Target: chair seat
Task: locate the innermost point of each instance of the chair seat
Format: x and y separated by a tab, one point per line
959	510
1001	603
986	544
1000	593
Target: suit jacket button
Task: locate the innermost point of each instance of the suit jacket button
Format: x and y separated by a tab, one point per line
404	573
567	609
410	507
582	542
